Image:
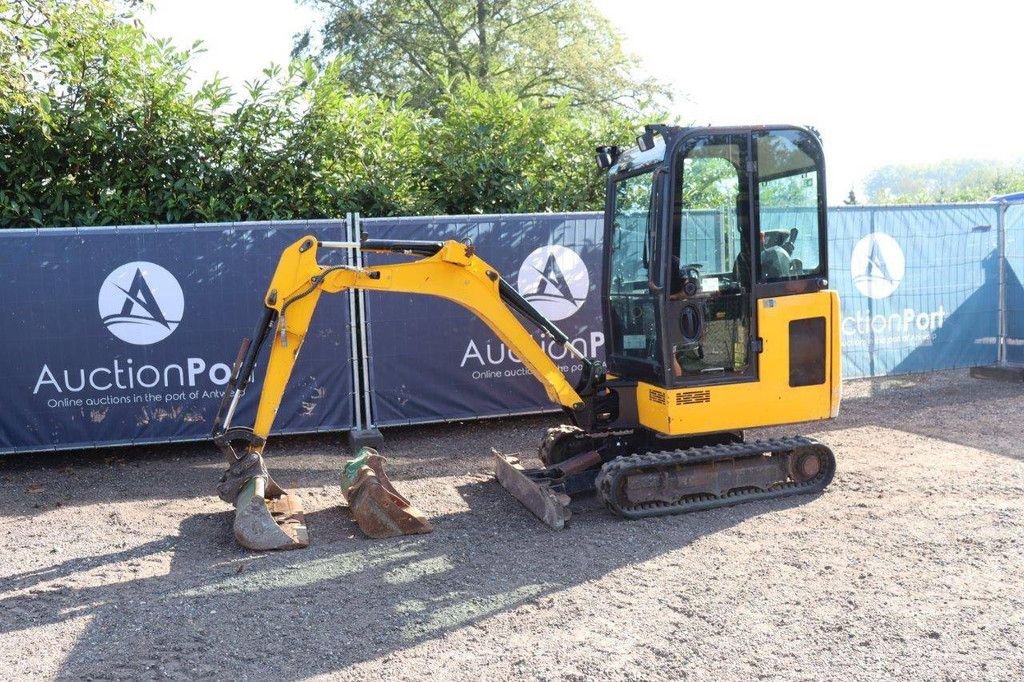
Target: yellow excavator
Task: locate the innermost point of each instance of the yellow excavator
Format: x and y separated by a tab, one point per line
717	314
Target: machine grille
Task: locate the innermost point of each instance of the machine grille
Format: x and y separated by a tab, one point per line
657	397
692	397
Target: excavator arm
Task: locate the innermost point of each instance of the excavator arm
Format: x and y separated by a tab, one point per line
449	270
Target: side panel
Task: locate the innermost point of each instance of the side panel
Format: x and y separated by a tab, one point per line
771	400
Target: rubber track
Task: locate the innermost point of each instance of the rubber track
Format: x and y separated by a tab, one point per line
613	474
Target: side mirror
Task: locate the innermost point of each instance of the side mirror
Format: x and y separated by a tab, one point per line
646	141
607	156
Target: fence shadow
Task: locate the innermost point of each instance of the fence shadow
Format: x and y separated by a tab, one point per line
946	406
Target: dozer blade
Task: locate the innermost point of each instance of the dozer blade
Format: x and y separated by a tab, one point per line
266	517
550	506
379	509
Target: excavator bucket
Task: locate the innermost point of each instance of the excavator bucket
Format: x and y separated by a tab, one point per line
379	509
266	517
537	494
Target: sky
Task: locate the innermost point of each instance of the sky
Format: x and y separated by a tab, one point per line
900	81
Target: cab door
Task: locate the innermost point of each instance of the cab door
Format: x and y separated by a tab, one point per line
745	296
709	318
797	315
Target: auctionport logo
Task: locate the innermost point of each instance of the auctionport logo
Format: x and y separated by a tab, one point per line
141	303
877	265
555	280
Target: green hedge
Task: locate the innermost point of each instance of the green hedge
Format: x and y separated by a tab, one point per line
102	125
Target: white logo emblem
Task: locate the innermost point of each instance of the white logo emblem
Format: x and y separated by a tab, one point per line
555	280
877	265
141	303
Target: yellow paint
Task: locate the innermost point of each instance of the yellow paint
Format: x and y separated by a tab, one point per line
769	401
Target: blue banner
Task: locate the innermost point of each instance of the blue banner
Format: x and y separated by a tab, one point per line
918	286
126	335
431	360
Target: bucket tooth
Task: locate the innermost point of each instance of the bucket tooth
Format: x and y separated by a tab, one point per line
379	509
266	517
547	504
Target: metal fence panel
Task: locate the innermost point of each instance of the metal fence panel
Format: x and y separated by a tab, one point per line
806	222
918	285
125	335
430	360
704	240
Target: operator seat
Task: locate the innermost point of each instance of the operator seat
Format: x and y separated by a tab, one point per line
777	252
775	262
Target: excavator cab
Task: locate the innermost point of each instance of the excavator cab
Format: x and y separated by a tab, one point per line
716	254
717	316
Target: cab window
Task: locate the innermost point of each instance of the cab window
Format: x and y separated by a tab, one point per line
790	194
707	310
635	344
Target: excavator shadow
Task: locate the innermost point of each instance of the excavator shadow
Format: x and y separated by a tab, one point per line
346	599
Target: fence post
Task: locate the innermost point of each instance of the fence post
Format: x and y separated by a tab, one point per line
353	321
365	433
1001	370
1001	250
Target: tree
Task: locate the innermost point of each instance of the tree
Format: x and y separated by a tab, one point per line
100	124
98	121
946	181
492	152
851	198
546	50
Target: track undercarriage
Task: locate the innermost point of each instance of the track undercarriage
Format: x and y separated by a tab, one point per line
638	475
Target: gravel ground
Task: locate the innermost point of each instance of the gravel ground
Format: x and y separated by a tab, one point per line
120	563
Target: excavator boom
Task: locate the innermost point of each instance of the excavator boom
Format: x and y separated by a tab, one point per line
449	270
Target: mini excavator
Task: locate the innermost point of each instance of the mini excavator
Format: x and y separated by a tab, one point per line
717	315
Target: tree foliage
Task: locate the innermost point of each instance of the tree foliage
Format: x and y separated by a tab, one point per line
499	154
100	124
547	50
947	181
